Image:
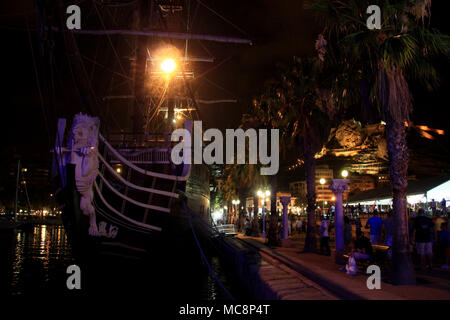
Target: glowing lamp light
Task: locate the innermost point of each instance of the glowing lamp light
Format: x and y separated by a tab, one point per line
333	198
168	65
259	193
267	193
118	170
322	181
344	173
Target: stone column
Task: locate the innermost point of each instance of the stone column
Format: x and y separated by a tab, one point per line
338	186
285	202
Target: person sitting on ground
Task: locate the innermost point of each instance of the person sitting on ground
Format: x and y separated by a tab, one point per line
423	229
363	248
374	223
444	244
363	251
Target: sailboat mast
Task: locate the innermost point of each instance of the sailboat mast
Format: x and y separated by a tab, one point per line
17	190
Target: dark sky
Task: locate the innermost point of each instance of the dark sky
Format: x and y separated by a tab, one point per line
279	30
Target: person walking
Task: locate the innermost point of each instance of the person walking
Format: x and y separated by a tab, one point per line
325	237
388	225
387	228
374	223
247	227
358	225
299	226
347	234
444	244
423	230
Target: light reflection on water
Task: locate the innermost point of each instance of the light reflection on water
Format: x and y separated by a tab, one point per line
37	258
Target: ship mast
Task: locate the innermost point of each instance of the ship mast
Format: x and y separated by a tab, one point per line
141	15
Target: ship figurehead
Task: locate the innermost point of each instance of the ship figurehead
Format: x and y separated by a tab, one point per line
83	143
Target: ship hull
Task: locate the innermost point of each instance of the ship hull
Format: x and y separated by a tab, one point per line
131	242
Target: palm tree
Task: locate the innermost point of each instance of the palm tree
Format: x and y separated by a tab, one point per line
307	118
382	61
294	104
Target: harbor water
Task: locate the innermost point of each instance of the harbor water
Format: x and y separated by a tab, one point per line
34	260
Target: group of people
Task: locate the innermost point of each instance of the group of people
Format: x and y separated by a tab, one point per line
427	236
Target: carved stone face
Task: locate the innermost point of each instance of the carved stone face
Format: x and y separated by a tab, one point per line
84	131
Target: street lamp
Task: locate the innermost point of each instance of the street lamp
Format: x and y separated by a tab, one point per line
168	65
344	173
322	182
261	194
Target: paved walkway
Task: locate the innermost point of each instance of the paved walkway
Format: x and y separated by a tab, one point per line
434	284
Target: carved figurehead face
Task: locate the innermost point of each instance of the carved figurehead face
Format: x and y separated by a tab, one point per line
84	131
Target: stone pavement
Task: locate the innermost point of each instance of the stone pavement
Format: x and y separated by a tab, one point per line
286	284
434	284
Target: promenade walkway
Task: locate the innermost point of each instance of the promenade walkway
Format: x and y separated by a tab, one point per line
431	284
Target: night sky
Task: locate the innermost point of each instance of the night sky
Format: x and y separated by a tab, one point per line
279	30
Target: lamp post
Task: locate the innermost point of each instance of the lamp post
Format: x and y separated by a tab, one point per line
261	194
322	182
338	186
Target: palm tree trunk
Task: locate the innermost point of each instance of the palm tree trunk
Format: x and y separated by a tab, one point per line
403	269
310	171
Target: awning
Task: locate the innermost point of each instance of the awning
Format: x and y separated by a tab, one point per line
423	190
